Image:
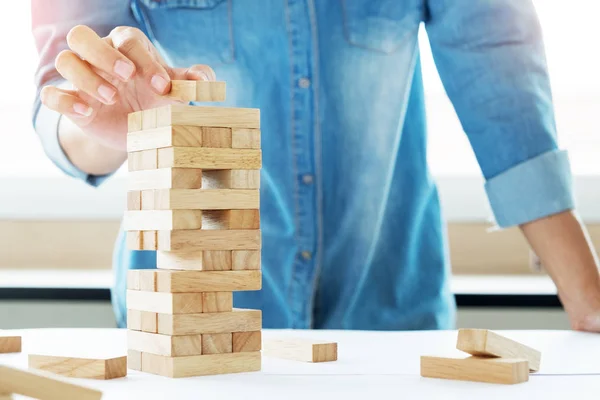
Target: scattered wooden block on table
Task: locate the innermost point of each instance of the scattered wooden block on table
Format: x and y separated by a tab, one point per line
476	369
216	343
231	179
207	281
245	260
195	260
206	199
238	320
246	341
211	364
165	345
9	343
134	358
217	239
75	367
162	220
190	90
43	385
200	157
301	349
165	178
482	342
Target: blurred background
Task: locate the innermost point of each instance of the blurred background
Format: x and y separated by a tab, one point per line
57	234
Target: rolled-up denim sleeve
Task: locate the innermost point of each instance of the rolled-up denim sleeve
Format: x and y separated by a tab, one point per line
50	22
491	59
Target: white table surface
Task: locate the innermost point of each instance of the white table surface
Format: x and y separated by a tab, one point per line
371	365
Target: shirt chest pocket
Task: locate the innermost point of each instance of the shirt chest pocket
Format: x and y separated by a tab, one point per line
381	25
188	31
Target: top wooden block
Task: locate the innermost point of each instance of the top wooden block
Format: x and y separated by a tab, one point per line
197	90
482	342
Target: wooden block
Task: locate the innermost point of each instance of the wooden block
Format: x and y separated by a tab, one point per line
165	178
197	91
238	320
149	119
231	179
220	117
6	396
242	239
134	200
134	121
207	281
211	364
149	321
165	345
148	197
147	279
482	342
216	260
216	137
168	136
246	341
205	158
307	350
169	303
134	358
245	260
74	367
231	219
133	280
133	240
149	240
9	343
217	302
206	199
245	138
43	385
194	260
162	220
134	320
476	369
141	160
216	343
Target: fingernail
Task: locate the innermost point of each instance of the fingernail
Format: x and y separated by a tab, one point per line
201	75
107	93
82	109
123	69
159	83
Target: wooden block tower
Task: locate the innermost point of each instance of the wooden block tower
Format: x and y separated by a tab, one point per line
193	197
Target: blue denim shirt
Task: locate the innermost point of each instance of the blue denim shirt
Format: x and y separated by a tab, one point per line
352	231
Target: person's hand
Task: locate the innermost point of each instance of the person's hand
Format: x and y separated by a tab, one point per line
111	77
584	319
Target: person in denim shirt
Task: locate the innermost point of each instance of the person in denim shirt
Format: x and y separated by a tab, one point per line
352	231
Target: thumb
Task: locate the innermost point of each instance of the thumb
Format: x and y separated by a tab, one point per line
591	323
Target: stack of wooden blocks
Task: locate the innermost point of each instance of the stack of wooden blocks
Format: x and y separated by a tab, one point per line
193	197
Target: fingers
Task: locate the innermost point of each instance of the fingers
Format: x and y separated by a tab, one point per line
197	72
592	324
81	75
135	46
85	42
65	102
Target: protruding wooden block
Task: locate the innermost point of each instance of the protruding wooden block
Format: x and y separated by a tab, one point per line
239	239
476	369
134	358
9	343
206	199
212	364
165	178
75	367
482	342
207	281
170	303
197	91
231	219
194	260
220	117
206	158
134	200
43	385
245	138
162	220
238	320
149	321
165	345
245	260
134	320
246	341
134	121
297	349
231	179
141	160
217	302
216	343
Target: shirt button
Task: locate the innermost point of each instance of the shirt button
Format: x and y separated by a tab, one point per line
307	179
304	83
307	255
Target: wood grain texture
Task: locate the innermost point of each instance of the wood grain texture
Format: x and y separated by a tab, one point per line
216	137
205	158
476	369
483	342
197	91
165	345
141	160
134	320
171	303
134	359
134	121
245	260
149	321
179	136
206	199
207	281
165	178
231	179
195	260
150	240
238	320
223	117
246	341
10	343
134	200
297	349
147	220
217	302
245	138
74	367
211	364
43	385
231	219
216	343
243	239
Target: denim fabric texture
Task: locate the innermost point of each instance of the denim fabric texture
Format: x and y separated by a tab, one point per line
352	229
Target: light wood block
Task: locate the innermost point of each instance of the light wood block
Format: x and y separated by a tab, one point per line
194	260
149	321
197	91
74	367
206	199
238	320
165	345
476	369
133	241
162	220
246	341
142	160
133	280
148	197
134	121
231	179
245	260
149	240
147	278
216	343
165	178
134	200
211	364
6	396
217	302
241	239
134	359
179	136
205	158
231	219
245	138
482	342
220	117
216	137
170	303
43	385
207	281
149	119
216	260
297	349
134	320
9	343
